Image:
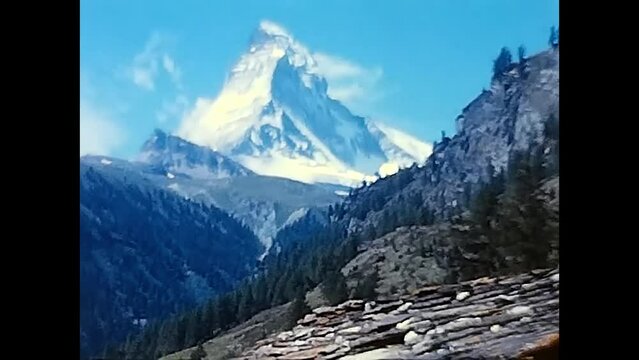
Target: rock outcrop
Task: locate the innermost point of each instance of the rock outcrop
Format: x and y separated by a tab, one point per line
511	116
488	318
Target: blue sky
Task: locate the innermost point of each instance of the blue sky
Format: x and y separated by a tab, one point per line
144	63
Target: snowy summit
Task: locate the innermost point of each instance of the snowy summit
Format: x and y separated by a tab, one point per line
274	116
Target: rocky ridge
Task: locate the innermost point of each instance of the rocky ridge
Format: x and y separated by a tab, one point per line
511	116
487	318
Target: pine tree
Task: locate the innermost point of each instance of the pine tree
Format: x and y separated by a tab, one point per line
194	328
551	127
259	294
334	287
503	61
298	308
521	216
210	320
521	54
226	311
365	289
245	306
199	353
167	338
553	39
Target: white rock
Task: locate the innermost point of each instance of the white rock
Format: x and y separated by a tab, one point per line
404	307
462	295
423	345
351	330
404	325
309	318
284	335
495	328
380	354
520	310
430	332
525	319
411	338
507	297
368	307
439	330
555	277
323	310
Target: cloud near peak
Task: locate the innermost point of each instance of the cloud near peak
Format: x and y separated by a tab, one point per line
348	81
99	133
152	61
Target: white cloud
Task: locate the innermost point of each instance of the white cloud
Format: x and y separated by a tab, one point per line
172	69
99	134
177	108
148	64
144	78
348	81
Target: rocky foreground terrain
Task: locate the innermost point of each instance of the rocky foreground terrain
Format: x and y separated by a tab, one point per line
514	317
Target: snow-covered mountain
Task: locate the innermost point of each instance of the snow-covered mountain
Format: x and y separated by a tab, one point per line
274	116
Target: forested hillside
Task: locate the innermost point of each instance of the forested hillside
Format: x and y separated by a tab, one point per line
146	253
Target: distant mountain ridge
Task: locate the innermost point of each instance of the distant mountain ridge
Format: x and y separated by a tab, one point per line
180	156
263	203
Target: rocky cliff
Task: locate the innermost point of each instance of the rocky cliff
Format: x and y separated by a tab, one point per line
513	115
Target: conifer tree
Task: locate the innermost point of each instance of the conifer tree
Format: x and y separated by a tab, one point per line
334	288
199	353
298	308
365	289
553	39
503	61
521	54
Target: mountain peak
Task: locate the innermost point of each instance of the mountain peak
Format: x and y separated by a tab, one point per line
176	155
270	28
274	116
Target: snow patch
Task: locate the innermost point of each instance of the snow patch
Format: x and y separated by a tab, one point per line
170	176
106	162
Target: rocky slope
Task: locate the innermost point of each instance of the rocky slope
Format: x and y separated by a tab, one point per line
513	115
488	318
411	256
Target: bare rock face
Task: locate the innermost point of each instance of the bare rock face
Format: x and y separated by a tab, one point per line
508	117
504	317
404	259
